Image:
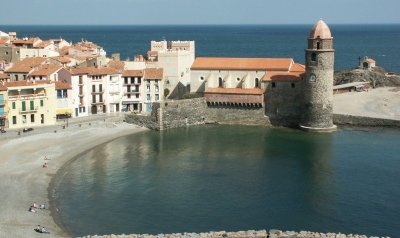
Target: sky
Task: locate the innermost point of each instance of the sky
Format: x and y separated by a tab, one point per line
195	12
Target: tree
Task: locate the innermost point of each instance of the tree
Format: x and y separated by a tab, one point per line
166	92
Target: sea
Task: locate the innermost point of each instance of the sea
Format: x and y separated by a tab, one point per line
234	178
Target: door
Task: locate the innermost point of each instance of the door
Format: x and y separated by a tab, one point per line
76	112
42	118
94	110
117	107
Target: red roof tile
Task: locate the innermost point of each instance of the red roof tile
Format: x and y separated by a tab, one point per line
132	73
45	69
62	85
153	73
278	64
26	65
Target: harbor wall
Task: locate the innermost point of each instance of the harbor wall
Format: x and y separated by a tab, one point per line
181	113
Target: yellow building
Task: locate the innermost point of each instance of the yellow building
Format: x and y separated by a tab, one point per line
31	103
3	106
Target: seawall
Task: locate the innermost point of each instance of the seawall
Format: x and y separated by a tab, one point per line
182	113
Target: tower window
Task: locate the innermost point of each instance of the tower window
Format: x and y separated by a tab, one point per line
318	45
256	82
273	84
220	82
313	57
293	85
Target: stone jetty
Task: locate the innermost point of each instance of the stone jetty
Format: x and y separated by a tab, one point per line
241	234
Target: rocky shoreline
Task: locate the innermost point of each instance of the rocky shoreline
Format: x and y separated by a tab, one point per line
239	234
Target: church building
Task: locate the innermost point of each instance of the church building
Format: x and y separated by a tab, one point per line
290	93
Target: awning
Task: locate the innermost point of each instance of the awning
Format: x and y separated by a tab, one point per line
63	111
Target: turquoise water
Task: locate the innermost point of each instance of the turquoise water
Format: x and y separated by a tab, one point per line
211	178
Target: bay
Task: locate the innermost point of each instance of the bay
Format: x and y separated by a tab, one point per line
211	178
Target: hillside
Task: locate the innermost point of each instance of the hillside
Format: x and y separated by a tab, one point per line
377	76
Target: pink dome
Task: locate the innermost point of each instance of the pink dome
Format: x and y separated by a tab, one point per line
321	30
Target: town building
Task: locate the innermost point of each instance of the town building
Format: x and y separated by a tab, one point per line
132	98
30	103
153	82
20	71
367	63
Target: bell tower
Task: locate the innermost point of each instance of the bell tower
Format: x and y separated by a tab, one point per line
317	85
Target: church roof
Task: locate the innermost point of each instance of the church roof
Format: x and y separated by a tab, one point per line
320	30
278	64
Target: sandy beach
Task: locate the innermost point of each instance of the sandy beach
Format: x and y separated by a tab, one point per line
24	181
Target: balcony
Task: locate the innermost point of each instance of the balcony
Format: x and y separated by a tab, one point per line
26	97
99	92
28	110
97	103
81	83
81	94
131	93
114	92
3	102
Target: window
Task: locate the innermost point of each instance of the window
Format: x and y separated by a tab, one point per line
137	95
172	70
156	88
256	82
238	79
93	88
13	105
201	78
313	57
156	81
100	87
101	98
157	97
93	98
41	103
40	77
148	97
139	80
14	120
293	85
132	80
23	106
32	105
273	84
24	76
220	82
318	45
33	77
16	77
24	119
148	88
32	118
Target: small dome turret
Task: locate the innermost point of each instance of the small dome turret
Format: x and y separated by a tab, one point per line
320	30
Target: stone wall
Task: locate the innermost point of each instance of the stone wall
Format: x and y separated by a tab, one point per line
341	119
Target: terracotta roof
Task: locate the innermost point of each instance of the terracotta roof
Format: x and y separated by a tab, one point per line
43	44
117	64
278	64
235	90
62	85
29	41
293	75
4	40
130	73
370	60
4	76
64	50
320	29
153	73
61	59
94	71
26	65
46	69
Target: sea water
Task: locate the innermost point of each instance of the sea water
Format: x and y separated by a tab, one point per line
379	42
232	178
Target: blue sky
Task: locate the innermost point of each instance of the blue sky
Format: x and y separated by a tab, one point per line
160	12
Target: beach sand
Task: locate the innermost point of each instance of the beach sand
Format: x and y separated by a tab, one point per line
23	181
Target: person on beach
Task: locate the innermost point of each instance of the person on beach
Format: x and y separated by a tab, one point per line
45	158
34	205
42	207
32	209
45	165
44	231
38	229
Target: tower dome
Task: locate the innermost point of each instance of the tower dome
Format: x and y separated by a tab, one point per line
320	30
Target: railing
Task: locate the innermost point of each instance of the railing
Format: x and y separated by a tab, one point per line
98	92
26	96
81	94
28	110
131	93
95	102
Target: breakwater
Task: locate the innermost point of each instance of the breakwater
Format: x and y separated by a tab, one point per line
240	234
